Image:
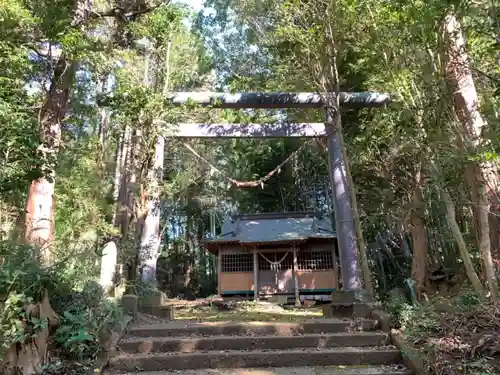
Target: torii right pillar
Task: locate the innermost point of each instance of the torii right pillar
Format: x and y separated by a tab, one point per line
341	199
342	205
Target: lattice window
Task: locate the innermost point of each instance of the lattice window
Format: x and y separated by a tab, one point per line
285	264
237	262
315	260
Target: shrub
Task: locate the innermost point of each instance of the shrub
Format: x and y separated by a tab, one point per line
86	323
86	316
411	317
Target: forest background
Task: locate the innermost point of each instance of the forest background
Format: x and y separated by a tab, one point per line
88	156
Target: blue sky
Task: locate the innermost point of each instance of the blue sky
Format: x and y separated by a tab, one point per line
195	4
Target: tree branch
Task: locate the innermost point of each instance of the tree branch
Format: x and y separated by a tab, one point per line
124	14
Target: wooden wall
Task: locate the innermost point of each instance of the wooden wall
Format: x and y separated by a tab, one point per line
309	280
317	280
236	281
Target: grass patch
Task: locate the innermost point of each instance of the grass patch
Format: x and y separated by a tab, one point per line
246	312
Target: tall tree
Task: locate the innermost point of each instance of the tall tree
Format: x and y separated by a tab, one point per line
39	222
481	176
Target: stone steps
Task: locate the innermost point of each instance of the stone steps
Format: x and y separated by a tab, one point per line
345	356
310	370
190	345
211	348
182	329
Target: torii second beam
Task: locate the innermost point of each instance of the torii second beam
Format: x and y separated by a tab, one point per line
273	130
277	99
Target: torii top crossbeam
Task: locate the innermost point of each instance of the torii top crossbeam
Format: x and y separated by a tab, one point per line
277	99
265	101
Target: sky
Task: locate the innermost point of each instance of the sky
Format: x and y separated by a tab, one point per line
195	4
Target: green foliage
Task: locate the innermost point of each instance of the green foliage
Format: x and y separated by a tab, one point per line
468	300
16	22
53	17
22	272
141	288
18	135
13	320
75	338
86	315
83	327
161	26
414	319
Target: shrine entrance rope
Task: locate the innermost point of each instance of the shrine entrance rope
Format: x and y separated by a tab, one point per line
248	184
274	264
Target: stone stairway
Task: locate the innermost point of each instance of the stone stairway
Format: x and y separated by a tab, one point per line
346	346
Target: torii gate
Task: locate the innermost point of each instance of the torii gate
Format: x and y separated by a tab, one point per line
346	235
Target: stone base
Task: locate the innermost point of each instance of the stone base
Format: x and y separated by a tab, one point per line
347	310
157	298
164	312
154	304
309	303
117	291
279	300
349	296
130	303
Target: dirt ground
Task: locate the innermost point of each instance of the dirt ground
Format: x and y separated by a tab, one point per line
463	343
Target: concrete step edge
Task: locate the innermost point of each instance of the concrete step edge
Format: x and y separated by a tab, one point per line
194	324
168	329
343	370
190	345
130	338
242	359
344	349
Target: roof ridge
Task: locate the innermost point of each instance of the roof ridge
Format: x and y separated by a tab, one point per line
314	225
278	215
330	228
235	230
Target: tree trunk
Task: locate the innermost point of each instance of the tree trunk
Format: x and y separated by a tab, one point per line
466	103
133	206
462	247
495	227
121	184
115	185
103	123
188	256
39	222
419	237
150	238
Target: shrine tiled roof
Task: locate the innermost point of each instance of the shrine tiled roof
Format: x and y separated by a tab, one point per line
275	227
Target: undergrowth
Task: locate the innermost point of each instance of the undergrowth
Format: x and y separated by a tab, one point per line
459	335
85	317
